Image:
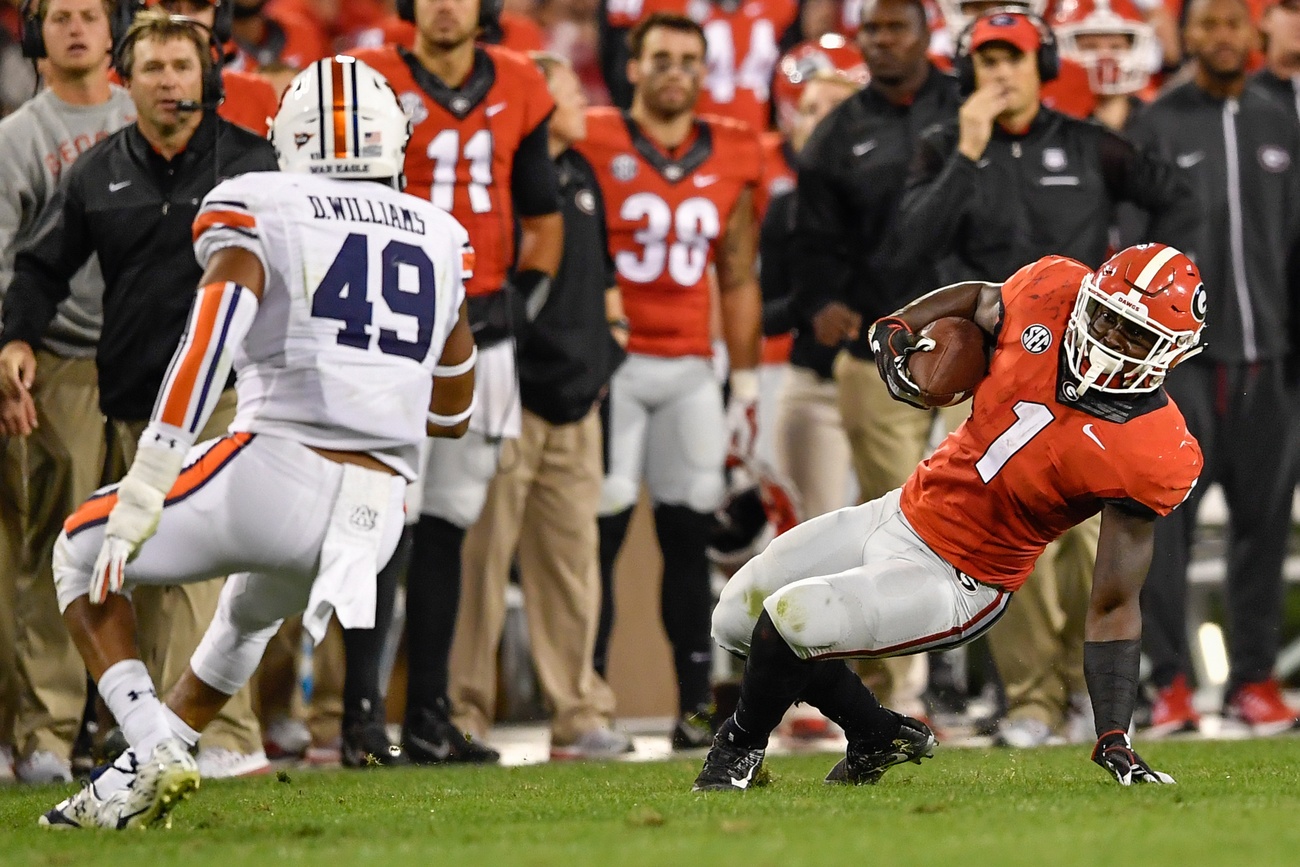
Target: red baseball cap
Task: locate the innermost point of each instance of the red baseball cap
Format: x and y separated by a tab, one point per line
1009	27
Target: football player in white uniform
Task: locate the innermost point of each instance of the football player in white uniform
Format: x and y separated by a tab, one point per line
340	306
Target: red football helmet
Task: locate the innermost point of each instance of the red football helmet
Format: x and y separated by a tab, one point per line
1112	70
958	14
830	52
1152	296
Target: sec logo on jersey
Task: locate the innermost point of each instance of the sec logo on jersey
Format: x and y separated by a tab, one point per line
1036	339
413	105
623	167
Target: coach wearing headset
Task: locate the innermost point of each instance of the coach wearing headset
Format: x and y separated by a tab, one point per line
131	200
1008	182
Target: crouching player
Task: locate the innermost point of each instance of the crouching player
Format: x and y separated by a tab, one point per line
339	305
1071	420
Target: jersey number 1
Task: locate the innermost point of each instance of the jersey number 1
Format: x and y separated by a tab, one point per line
1031	419
342	295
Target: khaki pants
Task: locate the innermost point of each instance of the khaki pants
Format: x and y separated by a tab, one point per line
44	477
887	439
543	502
1038	644
811	448
171	620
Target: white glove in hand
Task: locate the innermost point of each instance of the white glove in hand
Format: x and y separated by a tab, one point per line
140	499
742	415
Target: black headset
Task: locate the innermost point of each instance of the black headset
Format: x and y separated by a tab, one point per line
489	13
214	90
33	37
1049	57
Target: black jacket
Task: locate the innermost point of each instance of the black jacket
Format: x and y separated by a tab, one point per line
851	175
1051	190
1284	90
568	354
1250	209
776	279
123	202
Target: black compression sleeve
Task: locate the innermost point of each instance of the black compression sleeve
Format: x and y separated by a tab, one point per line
1110	669
534	182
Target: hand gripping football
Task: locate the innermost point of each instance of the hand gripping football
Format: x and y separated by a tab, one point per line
949	360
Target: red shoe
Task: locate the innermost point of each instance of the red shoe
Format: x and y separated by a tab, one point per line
1172	712
1261	706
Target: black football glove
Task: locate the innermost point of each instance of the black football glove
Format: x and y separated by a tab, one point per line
1114	752
892	341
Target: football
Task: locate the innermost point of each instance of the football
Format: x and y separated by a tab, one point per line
948	372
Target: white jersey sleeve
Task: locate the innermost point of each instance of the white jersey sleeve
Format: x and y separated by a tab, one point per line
363	286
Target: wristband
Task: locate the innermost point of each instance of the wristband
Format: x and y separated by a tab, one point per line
744	385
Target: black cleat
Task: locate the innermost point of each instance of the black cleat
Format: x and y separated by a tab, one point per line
366	744
431	739
729	768
694	731
861	766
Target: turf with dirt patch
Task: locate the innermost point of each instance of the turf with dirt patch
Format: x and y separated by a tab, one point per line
1236	803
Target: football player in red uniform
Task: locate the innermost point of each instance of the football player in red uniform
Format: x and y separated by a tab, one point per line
679	201
1071	420
478	149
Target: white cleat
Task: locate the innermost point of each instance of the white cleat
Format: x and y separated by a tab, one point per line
79	811
167	778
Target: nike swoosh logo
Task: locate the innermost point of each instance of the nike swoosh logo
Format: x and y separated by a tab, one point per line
1186	161
863	148
439	751
492	110
704	180
742	782
113	188
1087	431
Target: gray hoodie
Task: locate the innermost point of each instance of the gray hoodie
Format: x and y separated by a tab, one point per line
39	141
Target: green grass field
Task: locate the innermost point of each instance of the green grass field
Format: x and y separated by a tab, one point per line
1236	803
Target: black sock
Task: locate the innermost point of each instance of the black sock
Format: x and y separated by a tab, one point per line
686	601
613	530
774	678
432	600
364	648
835	690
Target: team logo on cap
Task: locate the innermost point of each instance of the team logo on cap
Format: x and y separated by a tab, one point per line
1200	303
1003	20
1036	339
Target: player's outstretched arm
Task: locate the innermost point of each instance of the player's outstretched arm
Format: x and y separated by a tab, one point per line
224	307
452	403
1112	637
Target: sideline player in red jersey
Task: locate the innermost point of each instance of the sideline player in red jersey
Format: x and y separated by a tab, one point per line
479	150
1071	420
679	199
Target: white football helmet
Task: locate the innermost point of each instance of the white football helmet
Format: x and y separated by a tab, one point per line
1110	72
339	117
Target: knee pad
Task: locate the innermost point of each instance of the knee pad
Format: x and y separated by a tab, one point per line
810	616
617	494
71	569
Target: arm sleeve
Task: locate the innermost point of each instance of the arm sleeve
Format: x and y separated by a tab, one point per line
1151	182
534	183
940	184
59	247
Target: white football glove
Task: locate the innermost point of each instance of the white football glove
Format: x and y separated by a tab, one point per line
140	498
742	415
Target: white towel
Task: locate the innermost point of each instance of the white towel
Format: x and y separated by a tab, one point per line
345	584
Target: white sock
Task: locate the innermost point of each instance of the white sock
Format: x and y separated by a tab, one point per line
179	728
129	693
116	776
